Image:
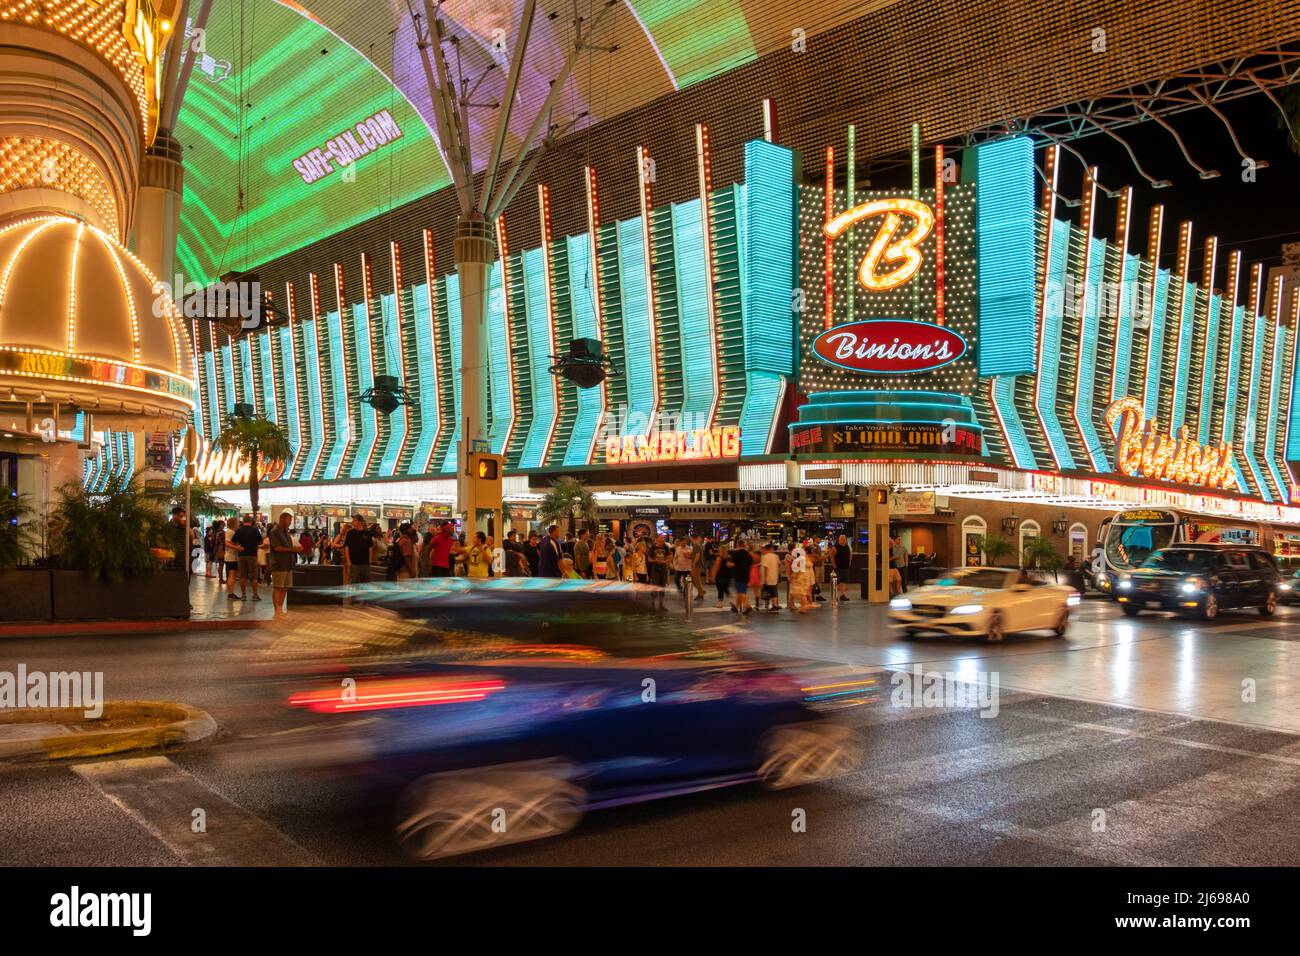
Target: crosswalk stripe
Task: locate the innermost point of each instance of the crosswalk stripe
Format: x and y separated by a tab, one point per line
163	798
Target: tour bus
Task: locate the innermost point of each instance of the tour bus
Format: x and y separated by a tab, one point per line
1128	537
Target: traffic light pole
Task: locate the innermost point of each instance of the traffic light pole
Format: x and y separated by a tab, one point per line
475	252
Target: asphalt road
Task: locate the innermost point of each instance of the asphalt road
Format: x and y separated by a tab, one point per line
1121	768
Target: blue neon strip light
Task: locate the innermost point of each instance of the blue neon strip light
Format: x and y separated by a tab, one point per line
1085	390
1234	367
289	374
1208	372
1124	329
338	395
1050	374
428	393
582	300
315	403
1270	430
1004	399
767	233
1006	255
1182	361
636	321
228	372
539	337
1250	434
246	360
451	295
263	346
365	379
392	366
210	369
1156	346
698	380
499	362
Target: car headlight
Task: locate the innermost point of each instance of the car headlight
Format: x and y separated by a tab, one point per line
1284	587
1074	600
1193	585
1125	584
968	609
900	604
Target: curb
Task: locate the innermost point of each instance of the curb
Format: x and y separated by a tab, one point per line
186	725
94	628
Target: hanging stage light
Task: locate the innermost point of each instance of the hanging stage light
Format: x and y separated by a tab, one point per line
586	365
386	395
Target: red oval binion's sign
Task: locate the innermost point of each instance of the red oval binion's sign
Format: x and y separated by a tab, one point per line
889	346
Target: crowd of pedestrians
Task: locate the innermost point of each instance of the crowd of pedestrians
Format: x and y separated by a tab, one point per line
745	573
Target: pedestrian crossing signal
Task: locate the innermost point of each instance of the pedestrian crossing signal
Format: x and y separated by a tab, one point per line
485	472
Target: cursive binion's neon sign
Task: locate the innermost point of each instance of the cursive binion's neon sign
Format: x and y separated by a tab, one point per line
1148	452
888	246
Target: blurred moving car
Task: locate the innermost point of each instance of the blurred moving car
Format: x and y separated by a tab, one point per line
1288	587
501	710
985	602
1201	579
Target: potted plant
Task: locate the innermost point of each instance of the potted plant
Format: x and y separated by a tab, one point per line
109	548
1041	555
24	591
994	548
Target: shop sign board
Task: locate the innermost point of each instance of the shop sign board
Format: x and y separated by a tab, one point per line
901	437
648	511
911	503
889	346
1145	450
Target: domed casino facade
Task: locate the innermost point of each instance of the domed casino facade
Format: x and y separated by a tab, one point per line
90	341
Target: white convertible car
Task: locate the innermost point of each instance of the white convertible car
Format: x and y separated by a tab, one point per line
984	602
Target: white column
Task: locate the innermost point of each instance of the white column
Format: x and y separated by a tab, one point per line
475	253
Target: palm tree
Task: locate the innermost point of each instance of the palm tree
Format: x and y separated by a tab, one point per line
203	500
995	547
110	533
1041	555
256	438
568	498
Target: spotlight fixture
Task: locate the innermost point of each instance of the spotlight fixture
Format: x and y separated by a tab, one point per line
586	365
386	395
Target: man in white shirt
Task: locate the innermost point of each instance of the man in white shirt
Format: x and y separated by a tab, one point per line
771	569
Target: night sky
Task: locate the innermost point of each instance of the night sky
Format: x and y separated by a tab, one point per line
1255	217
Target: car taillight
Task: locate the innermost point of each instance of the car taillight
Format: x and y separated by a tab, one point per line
383	694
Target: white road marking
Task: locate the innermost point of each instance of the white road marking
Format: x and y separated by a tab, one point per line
162	798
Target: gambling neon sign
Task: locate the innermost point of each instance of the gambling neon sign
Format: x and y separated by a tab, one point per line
896	251
1146	451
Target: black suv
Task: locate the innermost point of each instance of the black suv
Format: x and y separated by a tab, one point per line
1201	579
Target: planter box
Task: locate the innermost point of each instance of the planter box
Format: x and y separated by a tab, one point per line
78	596
308	576
25	595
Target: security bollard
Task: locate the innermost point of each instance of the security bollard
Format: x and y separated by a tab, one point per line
689	590
835	591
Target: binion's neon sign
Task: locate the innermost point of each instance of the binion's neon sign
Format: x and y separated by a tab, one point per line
1148	452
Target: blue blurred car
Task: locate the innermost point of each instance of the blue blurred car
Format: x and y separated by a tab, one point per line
499	711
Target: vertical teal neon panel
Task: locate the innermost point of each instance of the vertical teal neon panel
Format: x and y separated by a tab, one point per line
1207	377
582	299
311	364
451	295
699	381
365	380
499	362
539	360
636	321
1182	361
1050	374
768	230
428	394
392	366
1156	344
338	395
1085	392
1003	171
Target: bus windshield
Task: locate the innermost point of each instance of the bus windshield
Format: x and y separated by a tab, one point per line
1128	545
